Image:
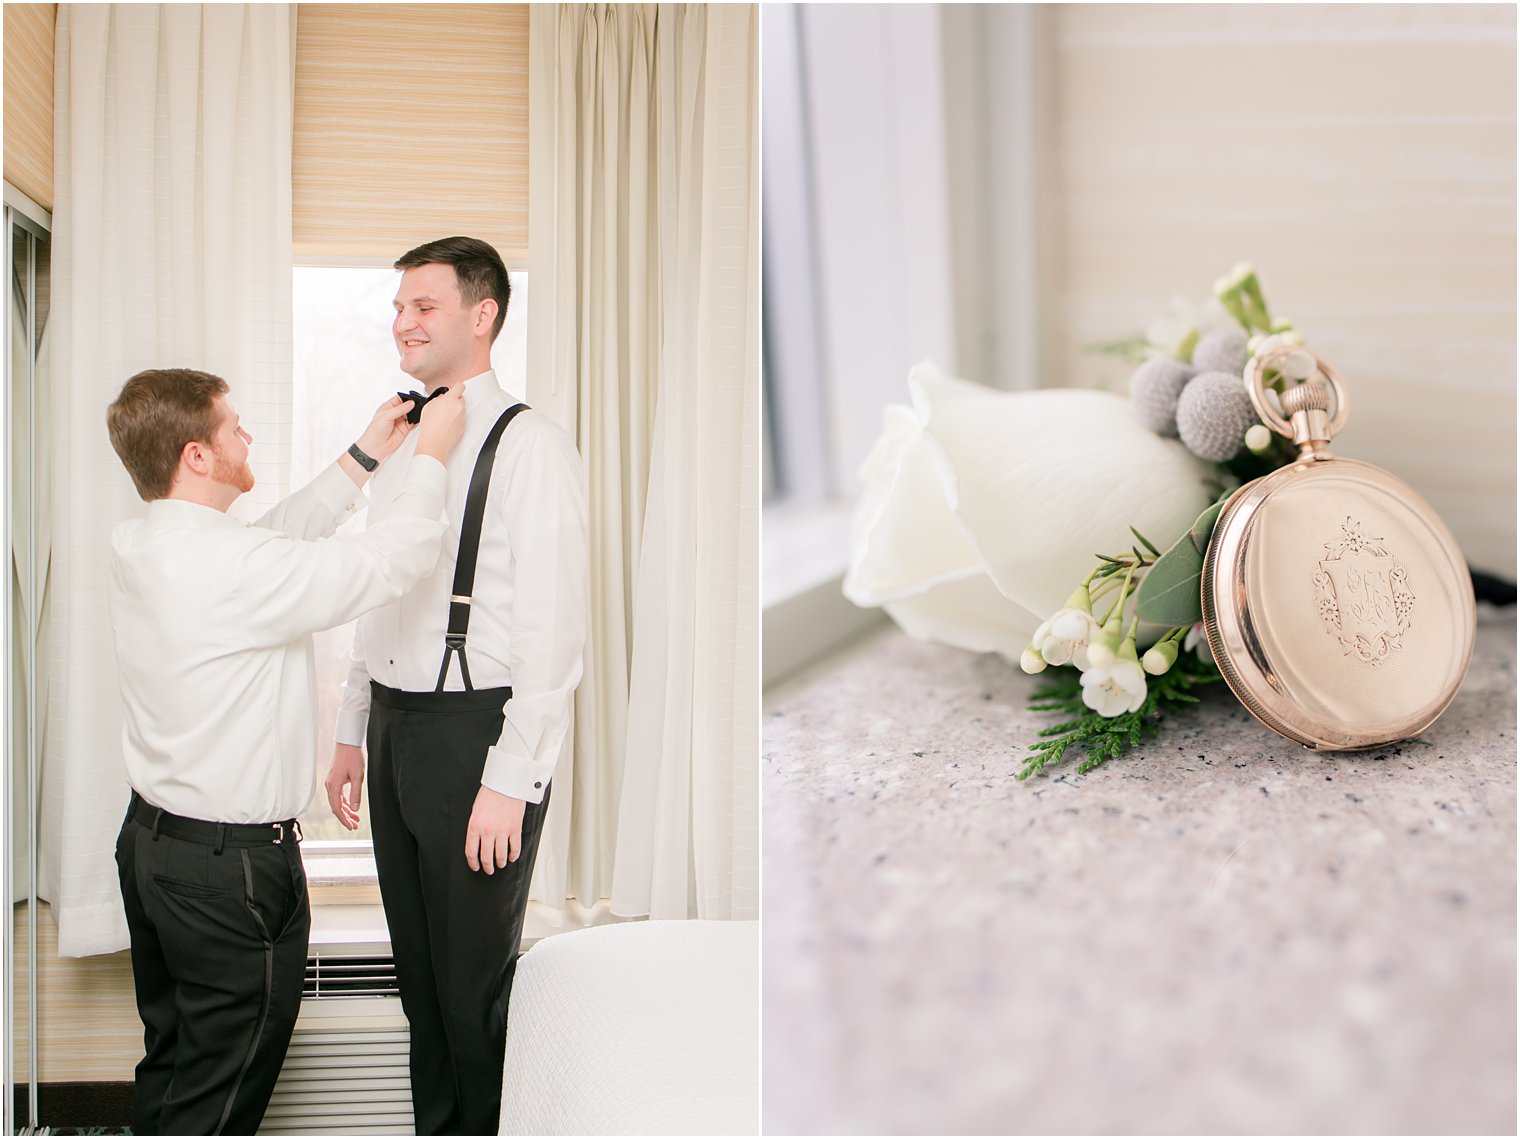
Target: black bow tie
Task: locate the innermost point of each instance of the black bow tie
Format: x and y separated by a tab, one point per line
418	401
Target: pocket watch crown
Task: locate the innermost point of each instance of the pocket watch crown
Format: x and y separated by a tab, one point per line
1307	407
1311	395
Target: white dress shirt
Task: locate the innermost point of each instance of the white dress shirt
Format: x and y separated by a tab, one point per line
213	621
528	618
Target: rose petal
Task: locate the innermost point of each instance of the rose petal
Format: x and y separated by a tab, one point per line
982	509
1040	482
904	539
969	614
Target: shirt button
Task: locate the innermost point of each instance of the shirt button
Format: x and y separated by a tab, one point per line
393	662
536	786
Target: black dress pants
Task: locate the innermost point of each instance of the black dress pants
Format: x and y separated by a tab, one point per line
219	939
455	931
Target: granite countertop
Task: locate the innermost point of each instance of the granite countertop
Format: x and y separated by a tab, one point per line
1218	932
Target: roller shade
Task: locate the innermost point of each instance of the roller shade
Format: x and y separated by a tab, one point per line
29	99
411	123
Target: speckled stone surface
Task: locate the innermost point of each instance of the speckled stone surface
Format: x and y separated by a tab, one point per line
1218	933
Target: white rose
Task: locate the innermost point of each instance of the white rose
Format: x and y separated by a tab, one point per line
983	509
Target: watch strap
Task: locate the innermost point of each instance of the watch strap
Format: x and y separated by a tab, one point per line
362	459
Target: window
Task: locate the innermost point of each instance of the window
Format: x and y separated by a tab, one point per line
898	228
345	366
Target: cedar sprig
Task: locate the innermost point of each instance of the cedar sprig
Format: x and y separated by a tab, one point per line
1101	738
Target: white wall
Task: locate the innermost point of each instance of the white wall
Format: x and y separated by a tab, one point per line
1363	157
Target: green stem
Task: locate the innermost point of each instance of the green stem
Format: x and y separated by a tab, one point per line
1105	587
1123	595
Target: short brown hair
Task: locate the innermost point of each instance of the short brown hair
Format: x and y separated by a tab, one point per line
156	414
477	266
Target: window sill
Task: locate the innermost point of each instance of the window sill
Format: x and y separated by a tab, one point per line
806	616
354	928
346	909
340	873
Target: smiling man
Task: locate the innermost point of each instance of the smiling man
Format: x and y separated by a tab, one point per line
212	620
462	692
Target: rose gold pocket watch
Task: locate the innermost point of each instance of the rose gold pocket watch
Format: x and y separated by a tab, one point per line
1337	605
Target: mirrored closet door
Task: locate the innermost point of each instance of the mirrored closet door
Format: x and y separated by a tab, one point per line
26	600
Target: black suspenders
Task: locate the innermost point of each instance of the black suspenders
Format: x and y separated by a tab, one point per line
469	551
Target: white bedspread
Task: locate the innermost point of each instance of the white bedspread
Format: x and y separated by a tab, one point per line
645	1028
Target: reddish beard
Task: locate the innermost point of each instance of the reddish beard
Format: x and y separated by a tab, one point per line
224	472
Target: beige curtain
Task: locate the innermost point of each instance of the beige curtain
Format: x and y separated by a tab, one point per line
644	342
171	247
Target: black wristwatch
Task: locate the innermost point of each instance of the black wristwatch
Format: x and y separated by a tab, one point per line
362	459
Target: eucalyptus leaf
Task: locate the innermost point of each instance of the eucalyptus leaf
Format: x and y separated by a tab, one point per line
1172	591
1203	529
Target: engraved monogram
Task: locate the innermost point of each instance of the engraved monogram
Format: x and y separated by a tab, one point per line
1363	594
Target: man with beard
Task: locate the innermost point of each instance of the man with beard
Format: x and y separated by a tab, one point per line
212	621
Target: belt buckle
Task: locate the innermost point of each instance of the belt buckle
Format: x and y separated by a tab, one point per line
295	830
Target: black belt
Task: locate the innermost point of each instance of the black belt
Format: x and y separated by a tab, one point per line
218	835
475	700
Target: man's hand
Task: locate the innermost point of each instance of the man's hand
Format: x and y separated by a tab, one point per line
347	770
386	430
495	834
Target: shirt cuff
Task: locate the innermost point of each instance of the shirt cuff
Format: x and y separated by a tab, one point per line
515	776
350	727
426	473
337	492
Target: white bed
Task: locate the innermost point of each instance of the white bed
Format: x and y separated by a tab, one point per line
644	1028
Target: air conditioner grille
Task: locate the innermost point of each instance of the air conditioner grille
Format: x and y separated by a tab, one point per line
346	1070
330	976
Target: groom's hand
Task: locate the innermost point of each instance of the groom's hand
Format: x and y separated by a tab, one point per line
347	770
494	837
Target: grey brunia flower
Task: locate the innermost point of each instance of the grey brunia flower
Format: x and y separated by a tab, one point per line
1154	390
1223	350
1213	414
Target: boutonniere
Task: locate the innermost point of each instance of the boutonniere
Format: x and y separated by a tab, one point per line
1069	530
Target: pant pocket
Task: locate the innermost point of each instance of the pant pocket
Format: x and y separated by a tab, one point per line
299	909
188	889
